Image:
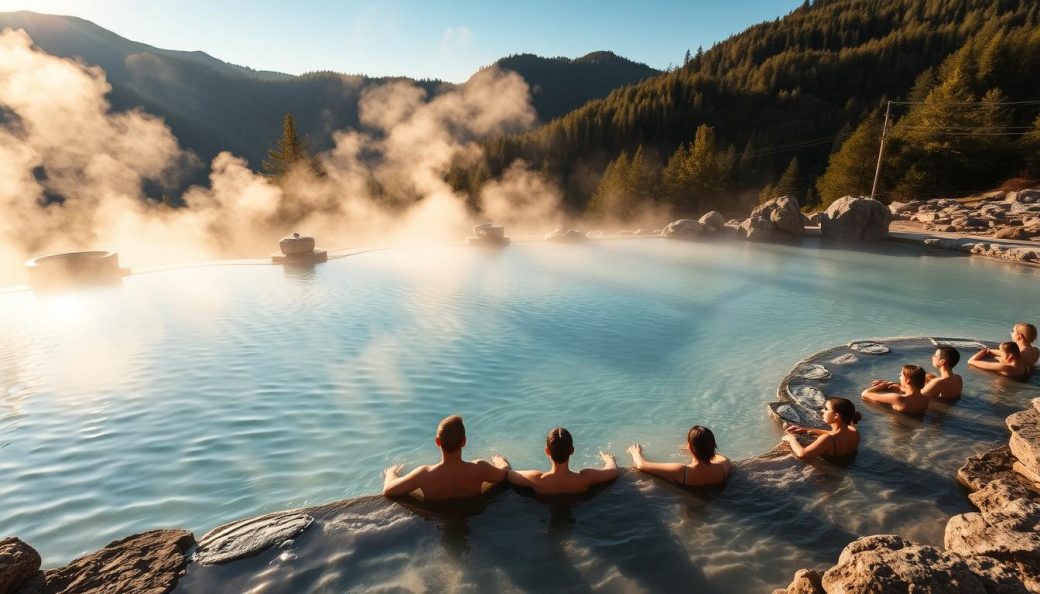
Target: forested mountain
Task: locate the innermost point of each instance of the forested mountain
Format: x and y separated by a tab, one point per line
558	85
782	96
212	105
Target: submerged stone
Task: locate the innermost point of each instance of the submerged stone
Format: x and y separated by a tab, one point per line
813	371
807	395
248	537
869	348
846	359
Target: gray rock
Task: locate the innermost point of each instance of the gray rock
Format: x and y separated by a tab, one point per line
813	371
18	564
883	564
712	221
869	348
248	537
783	213
683	229
992	196
1025	438
856	219
757	229
807	396
147	563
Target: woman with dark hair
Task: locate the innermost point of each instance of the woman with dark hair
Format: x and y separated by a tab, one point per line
1009	363
706	467
839	441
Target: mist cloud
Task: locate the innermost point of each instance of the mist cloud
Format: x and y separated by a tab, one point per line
73	173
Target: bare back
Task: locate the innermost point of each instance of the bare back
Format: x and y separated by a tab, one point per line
548	483
453	480
944	388
1031	355
700	473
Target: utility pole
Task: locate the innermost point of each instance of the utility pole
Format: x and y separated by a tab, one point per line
881	151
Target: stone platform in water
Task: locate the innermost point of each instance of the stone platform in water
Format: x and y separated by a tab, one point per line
804	389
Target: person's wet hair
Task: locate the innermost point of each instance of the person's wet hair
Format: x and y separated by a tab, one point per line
560	445
950	355
1011	349
1028	331
915	375
702	443
452	434
845	410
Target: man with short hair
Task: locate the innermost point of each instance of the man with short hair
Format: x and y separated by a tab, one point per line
560	479
947	385
906	397
1023	334
452	477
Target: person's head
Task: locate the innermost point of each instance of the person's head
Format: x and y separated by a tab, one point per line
914	376
946	357
451	434
840	410
559	445
702	443
1026	332
1010	350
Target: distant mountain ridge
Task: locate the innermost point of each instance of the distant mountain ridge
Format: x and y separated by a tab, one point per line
559	85
212	105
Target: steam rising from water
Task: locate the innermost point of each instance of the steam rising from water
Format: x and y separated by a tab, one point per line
73	173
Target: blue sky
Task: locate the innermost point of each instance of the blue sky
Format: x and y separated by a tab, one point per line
447	40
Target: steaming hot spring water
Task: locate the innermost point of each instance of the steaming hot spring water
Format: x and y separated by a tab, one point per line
194	397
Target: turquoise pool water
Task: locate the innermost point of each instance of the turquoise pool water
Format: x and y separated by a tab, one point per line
192	397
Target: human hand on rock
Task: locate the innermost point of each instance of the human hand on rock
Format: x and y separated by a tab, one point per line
499	461
607	457
393	471
794	429
635	450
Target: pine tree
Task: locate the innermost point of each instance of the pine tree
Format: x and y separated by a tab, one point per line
789	184
850	170
288	151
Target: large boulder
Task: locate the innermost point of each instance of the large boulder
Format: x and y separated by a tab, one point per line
712	221
783	213
682	229
1005	529
979	470
1025	438
757	229
855	219
18	563
147	563
885	563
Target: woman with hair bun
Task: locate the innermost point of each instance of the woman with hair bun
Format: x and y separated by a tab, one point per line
840	441
707	467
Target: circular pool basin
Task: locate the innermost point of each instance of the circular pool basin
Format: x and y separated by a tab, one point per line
193	397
